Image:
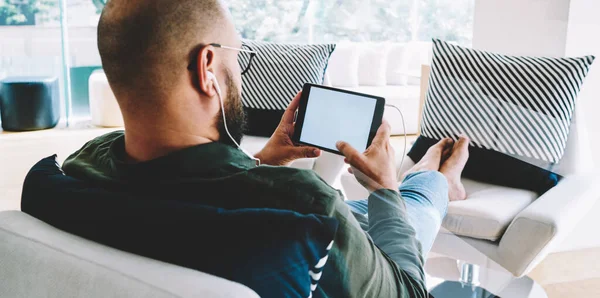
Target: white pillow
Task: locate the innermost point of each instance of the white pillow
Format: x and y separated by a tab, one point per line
416	53
394	64
372	68
343	65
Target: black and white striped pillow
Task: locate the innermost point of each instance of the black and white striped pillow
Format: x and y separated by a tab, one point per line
277	73
519	106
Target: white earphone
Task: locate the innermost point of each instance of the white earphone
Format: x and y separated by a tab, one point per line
211	76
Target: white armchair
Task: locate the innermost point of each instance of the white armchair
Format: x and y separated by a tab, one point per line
501	229
38	260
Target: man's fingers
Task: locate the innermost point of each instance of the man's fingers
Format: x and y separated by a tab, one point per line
307	152
288	115
383	133
353	157
312	152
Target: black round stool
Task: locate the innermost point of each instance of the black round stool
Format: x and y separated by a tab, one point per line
29	103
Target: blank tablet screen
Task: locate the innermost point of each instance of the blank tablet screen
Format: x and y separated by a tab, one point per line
333	116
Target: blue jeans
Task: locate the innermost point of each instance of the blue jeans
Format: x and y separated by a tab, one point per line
425	195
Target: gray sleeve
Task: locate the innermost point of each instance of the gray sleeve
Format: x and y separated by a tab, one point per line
392	233
364	268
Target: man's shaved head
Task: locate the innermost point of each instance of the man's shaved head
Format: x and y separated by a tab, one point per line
146	45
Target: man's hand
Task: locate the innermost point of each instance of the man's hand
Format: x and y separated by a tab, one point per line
375	168
280	150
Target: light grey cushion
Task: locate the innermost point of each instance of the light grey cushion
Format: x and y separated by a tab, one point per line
37	260
487	211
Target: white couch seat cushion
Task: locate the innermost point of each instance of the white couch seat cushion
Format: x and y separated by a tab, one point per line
487	211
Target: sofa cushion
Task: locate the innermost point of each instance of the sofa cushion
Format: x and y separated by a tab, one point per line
277	253
372	64
487	211
343	65
394	75
277	74
414	55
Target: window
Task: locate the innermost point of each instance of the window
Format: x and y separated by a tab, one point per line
82	21
354	20
30	43
31	32
26	35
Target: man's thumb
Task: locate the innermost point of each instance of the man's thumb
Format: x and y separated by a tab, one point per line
308	152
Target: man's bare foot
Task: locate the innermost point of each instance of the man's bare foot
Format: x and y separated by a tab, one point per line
432	159
452	168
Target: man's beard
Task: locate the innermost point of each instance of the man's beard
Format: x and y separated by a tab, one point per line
234	113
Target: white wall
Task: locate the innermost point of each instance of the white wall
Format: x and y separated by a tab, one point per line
555	28
521	27
583	38
551	28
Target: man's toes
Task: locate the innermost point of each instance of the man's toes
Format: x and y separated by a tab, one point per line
439	147
460	149
444	143
447	151
462	143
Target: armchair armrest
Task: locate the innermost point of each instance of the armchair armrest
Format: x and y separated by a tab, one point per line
545	223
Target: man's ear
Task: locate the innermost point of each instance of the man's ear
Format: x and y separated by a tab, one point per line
205	60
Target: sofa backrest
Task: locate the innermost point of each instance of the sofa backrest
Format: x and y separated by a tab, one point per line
377	64
37	260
